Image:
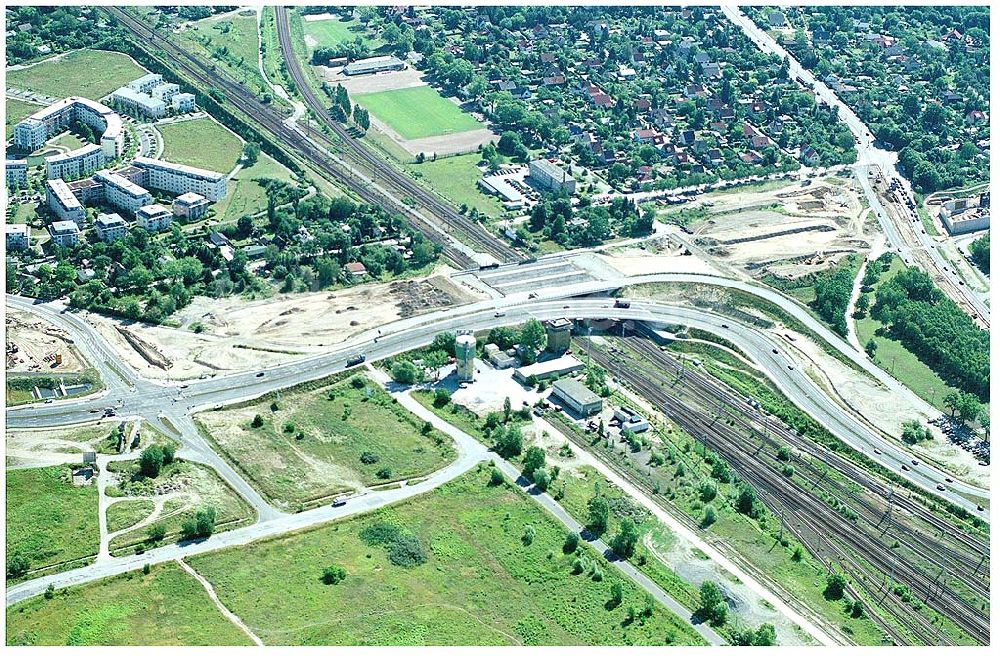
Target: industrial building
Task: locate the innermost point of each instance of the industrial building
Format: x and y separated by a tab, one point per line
631	420
559	367
966	215
181	179
17	174
138	104
123	193
577	398
63	204
190	205
498	357
110	227
558	334
154	218
30	133
76	163
64	234
465	357
18	236
374	65
498	186
547	175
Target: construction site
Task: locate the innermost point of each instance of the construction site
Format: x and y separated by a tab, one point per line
35	346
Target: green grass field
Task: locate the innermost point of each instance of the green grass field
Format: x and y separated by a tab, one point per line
898	361
127	513
456	178
50	521
481	583
67	140
360	438
416	112
232	42
166	607
201	143
17	110
89	73
330	32
246	197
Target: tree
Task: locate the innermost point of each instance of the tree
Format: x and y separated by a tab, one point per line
17	564
914	432
836	584
251	151
442	397
509	442
258	421
151	461
334	574
156	532
624	542
709	516
713	607
597	514
506	408
572	541
979	249
747	502
534	458
361	117
617	593
244	226
870	348
201	524
542	478
168	453
404	372
533	335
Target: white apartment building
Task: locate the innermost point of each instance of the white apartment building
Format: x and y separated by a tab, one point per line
137	103
75	164
550	176
182	103
180	179
154	218
17	174
64	234
146	83
18	236
31	133
63	203
165	91
110	227
123	193
190	205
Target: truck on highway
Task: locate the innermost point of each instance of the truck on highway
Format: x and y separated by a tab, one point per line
621	303
357	359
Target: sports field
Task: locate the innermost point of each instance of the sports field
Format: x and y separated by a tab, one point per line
331	31
89	73
165	607
416	112
49	521
467	563
201	143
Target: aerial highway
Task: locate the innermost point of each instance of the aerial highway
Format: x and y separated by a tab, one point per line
155	400
869	155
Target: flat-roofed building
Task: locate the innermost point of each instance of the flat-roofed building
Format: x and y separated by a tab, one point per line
558	367
558	333
154	218
31	132
165	91
18	236
498	186
123	193
76	163
190	205
966	215
17	174
146	83
182	103
550	176
64	234
577	398
110	227
87	191
181	179
138	104
374	65
63	203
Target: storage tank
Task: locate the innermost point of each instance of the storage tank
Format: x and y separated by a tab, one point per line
465	357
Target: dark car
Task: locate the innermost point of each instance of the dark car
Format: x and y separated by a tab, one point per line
259	374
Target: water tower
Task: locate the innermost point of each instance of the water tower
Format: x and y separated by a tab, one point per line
465	357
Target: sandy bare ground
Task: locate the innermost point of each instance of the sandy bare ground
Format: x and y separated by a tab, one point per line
241	335
660	256
36	342
368	84
49	446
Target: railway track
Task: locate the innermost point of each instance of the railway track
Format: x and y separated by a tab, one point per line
813	521
384	171
315	150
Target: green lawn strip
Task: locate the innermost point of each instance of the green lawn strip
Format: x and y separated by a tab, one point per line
186	142
203	488
456	179
332	31
481	582
232	42
360	437
246	196
127	513
49	521
416	112
165	607
89	73
17	110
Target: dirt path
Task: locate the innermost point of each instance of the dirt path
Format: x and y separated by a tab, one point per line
226	612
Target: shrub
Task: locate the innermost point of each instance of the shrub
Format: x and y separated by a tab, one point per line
156	532
406	551
542	477
528	536
496	477
384	473
441	397
289	427
151	461
572	541
369	457
836	583
707	490
334	574
258	421
201	524
168	454
709	517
